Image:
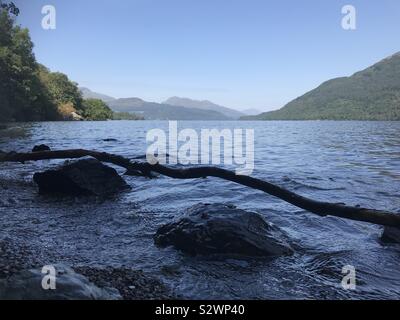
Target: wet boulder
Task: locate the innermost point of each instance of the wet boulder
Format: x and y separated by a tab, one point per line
69	285
41	147
87	176
223	229
391	235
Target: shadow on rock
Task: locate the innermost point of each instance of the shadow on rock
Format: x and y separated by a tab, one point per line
223	229
83	177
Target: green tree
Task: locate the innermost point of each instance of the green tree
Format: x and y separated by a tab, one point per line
16	64
60	88
9	7
97	110
127	116
28	90
22	95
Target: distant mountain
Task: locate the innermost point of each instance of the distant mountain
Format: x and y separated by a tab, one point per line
251	112
162	111
88	94
371	94
204	105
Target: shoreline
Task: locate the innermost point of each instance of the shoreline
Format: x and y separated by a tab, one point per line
130	283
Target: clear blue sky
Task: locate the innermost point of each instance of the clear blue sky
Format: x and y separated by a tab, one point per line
239	53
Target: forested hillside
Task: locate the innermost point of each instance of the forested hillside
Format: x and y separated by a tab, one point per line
28	90
372	94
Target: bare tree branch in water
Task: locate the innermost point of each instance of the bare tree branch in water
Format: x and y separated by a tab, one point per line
145	169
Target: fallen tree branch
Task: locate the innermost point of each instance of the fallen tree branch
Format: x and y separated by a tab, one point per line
74	154
145	169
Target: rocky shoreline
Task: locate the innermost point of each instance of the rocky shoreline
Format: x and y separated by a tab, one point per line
69	226
18	258
18	264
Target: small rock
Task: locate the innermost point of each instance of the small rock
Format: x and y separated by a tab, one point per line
27	285
224	229
41	147
76	117
87	176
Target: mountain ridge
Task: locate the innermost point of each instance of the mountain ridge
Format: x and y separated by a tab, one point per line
161	111
165	111
369	94
89	94
203	105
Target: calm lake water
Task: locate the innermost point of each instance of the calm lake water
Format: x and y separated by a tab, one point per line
357	163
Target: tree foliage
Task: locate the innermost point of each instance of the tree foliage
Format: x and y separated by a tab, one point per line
60	88
96	110
127	116
9	7
28	90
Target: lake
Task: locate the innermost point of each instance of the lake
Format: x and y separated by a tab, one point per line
357	163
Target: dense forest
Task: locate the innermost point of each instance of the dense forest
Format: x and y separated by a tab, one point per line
371	94
31	92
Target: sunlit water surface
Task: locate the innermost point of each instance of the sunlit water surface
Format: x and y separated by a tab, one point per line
357	163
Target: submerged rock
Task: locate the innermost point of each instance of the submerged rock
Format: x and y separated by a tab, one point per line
391	235
27	285
224	229
41	147
87	176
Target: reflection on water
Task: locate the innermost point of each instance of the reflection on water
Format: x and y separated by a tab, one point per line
353	162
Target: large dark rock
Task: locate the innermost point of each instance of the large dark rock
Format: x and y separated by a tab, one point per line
391	235
223	229
83	177
41	147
